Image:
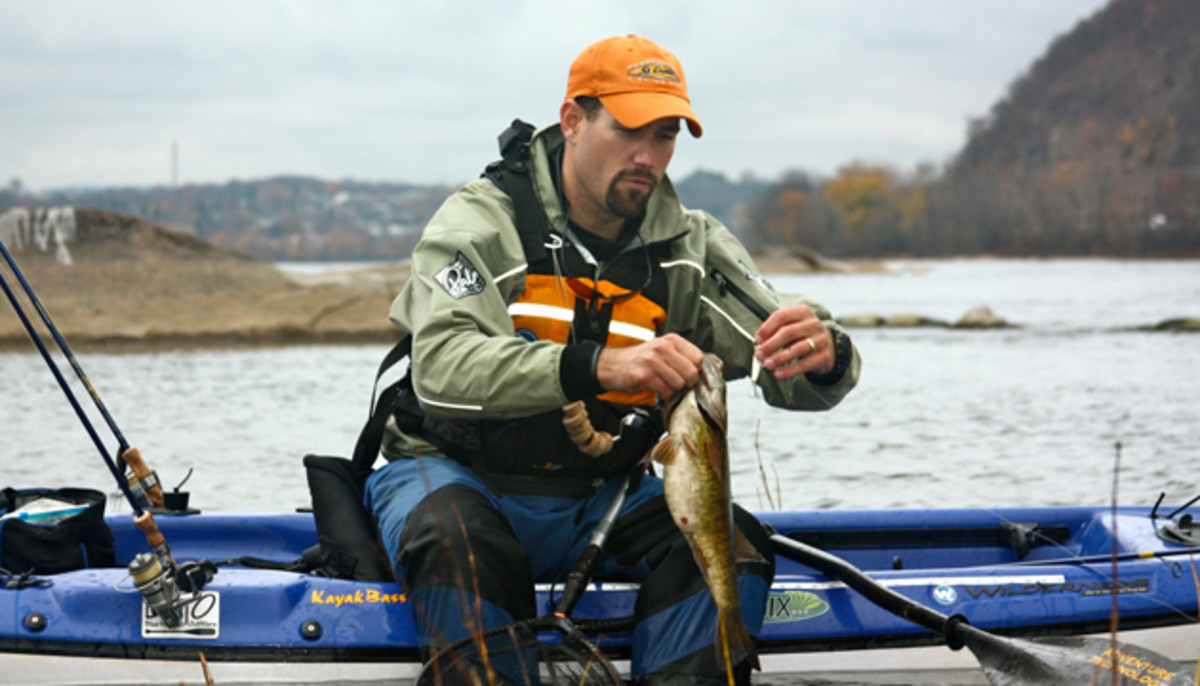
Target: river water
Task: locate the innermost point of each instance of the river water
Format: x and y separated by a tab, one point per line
1023	416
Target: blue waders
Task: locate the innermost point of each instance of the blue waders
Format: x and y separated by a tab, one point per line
453	542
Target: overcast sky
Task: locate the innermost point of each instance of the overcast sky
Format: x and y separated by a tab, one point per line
96	93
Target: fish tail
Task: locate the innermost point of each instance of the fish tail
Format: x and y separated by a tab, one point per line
734	643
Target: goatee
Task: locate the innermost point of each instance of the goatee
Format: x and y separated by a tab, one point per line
630	205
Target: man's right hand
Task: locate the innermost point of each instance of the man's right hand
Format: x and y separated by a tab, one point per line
664	366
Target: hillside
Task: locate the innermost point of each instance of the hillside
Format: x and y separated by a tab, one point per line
1123	86
1096	149
113	279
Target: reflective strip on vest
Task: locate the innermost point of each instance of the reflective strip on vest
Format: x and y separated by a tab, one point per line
546	310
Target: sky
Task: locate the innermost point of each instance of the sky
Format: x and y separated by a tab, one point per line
98	94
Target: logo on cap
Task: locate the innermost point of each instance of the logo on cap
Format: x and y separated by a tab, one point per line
654	70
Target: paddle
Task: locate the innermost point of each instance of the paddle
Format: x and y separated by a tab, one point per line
1005	661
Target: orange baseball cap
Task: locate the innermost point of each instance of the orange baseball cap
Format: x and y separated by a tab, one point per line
636	80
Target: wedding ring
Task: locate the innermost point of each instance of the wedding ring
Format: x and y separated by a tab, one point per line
811	346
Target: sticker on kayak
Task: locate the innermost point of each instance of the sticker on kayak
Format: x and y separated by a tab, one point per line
793	606
944	595
199	617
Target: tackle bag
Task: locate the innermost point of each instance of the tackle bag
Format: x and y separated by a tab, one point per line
48	531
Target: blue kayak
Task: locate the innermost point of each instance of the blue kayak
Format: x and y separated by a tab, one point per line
1054	571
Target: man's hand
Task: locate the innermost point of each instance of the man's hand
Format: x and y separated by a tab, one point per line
793	341
665	366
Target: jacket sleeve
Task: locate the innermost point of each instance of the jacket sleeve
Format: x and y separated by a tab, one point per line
466	358
734	301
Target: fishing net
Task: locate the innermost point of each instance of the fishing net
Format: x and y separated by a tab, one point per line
548	651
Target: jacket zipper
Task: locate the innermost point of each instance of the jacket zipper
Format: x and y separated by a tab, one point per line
725	285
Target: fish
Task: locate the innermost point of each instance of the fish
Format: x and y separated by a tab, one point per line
695	459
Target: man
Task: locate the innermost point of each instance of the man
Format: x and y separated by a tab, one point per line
613	302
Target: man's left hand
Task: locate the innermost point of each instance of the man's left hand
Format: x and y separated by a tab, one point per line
794	341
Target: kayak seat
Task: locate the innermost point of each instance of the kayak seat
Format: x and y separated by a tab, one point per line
348	538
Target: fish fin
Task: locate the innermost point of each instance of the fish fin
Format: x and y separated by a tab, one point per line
734	642
663	451
743	550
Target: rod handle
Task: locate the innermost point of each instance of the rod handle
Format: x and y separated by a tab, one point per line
148	478
154	537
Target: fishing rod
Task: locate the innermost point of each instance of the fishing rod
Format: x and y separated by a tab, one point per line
1106	557
141	517
146	478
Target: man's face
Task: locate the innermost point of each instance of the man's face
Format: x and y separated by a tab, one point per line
617	168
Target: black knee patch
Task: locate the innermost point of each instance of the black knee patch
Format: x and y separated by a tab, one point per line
456	538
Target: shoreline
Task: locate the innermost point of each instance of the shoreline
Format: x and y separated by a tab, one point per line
345	305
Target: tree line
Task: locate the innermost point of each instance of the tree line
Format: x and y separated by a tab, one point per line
1072	208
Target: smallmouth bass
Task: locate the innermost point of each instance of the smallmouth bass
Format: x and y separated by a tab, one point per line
695	459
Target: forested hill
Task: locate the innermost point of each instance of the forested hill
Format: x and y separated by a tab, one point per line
1124	87
1096	148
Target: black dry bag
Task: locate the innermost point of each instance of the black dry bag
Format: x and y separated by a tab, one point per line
48	531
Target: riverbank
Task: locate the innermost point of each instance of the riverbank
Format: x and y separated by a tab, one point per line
113	281
116	282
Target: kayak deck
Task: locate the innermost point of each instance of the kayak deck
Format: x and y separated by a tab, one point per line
1017	571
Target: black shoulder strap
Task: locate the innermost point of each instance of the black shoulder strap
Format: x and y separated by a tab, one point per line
366	449
511	175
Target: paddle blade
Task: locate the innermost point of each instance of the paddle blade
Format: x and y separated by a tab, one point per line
1070	660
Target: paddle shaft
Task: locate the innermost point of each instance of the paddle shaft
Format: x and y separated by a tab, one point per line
1040	661
637	432
581	573
872	590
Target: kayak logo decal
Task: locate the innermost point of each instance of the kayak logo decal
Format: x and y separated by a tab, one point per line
1134	668
793	606
460	278
369	597
944	595
1088	588
199	618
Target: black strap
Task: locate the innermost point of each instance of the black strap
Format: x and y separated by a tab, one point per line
366	449
511	175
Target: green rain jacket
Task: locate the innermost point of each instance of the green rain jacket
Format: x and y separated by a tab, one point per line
468	362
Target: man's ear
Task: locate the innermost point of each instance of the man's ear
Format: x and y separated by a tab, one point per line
570	118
